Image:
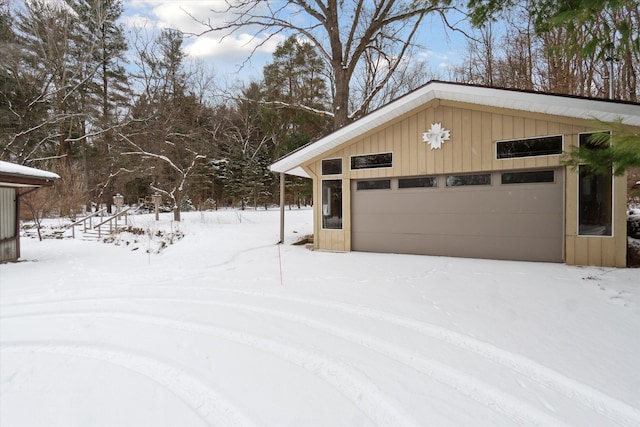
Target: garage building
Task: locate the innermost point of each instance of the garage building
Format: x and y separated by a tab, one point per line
469	171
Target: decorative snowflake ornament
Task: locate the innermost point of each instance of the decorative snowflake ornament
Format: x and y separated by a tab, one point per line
436	136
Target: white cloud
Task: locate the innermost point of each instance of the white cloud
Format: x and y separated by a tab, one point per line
233	47
184	16
137	21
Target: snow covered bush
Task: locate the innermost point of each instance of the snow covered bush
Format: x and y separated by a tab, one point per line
633	223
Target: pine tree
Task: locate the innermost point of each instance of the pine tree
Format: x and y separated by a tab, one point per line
107	87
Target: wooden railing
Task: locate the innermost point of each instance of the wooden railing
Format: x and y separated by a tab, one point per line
84	220
111	219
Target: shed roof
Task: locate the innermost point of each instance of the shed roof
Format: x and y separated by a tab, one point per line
13	175
529	101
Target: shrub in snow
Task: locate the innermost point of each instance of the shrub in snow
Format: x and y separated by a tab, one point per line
633	223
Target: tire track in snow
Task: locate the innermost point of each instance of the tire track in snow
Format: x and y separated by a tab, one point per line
520	412
603	404
354	386
514	409
585	395
212	408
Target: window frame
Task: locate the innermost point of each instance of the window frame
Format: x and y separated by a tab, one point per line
332	174
408	178
323	204
387	180
370	167
562	147
489	174
578	193
503	173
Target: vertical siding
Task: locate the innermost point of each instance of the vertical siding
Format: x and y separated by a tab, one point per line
497	133
456	141
619	222
476	141
414	138
344	237
8	248
403	156
572	253
608	250
447	147
471	148
420	149
466	137
486	135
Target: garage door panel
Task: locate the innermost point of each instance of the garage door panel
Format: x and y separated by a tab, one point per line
461	246
522	222
521	225
388	202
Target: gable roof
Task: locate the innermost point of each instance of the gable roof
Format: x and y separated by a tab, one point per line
534	102
13	175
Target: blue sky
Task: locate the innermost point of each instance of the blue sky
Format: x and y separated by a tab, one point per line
442	48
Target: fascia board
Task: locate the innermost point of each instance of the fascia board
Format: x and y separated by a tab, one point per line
556	105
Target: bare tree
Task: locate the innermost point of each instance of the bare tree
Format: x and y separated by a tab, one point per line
572	43
531	54
344	33
170	130
39	203
481	59
176	177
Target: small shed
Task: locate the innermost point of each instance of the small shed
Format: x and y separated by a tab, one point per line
469	171
15	182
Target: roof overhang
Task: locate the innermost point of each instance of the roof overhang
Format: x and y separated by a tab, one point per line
527	101
18	176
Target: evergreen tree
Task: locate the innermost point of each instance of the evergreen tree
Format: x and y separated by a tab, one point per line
295	88
30	126
107	88
616	149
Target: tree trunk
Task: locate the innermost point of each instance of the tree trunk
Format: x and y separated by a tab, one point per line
176	205
340	99
340	70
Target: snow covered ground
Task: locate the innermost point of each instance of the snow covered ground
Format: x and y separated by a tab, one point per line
223	327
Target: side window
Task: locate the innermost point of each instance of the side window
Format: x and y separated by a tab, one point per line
595	197
332	204
376	184
529	147
420	182
528	177
461	180
332	167
371	161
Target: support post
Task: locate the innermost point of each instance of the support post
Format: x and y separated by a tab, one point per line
282	207
16	231
157	199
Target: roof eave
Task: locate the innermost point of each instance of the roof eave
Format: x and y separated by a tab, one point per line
11	180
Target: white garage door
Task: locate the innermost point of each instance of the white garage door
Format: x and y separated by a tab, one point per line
515	215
